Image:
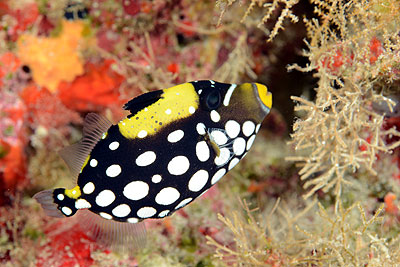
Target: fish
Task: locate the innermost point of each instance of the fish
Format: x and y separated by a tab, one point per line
174	145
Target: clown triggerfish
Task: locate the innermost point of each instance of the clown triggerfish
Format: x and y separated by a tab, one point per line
175	145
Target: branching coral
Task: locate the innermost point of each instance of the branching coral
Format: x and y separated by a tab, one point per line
355	56
269	8
348	237
252	247
239	62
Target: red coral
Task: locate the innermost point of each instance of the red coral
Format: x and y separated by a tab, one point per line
186	28
131	7
107	39
46	109
67	246
335	62
9	63
173	67
390	206
12	142
376	49
25	18
96	89
12	167
340	58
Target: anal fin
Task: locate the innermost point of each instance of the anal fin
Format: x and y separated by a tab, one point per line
121	237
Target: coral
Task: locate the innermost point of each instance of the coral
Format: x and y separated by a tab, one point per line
9	64
269	10
341	209
239	62
94	90
53	59
340	131
67	245
13	139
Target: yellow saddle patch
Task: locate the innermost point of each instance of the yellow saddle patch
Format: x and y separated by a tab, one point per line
177	102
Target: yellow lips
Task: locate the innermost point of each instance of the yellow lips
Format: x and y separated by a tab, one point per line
265	96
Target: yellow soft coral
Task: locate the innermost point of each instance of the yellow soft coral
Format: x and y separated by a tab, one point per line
53	59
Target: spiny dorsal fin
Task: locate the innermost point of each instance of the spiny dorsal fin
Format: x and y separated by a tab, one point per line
93	128
142	101
118	236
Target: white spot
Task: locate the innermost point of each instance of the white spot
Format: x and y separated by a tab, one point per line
212	82
258	127
215	117
250	141
232	128
132	220
219	137
146	212
224	156
175	136
67	211
178	165
183	203
233	163
168	111
105	198
201	128
191	109
228	94
200	91
167	196
239	146
202	151
146	109
105	215
82	204
146	159
163	213
88	188
121	210
93	162
248	128
142	134
104	135
60	197
136	190
113	171
198	181
218	175
156	178
114	145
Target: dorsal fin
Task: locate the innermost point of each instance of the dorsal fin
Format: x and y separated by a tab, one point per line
93	128
118	236
138	103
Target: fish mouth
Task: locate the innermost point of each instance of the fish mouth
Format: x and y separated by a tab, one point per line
263	96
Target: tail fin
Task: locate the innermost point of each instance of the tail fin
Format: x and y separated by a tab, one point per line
55	203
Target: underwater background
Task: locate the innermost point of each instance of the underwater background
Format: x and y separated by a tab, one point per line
321	184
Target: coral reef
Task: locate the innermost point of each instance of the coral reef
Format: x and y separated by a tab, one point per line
324	192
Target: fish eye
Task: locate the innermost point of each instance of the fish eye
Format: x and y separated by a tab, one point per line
213	100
